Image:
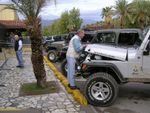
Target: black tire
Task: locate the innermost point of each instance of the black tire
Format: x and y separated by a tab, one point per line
103	95
52	56
64	67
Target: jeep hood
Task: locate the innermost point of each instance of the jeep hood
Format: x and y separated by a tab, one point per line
109	51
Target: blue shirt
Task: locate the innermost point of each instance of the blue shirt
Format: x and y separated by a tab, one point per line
77	45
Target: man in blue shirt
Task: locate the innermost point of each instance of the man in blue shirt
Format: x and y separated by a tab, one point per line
74	48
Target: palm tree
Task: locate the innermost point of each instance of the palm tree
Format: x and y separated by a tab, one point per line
122	11
31	9
107	14
141	12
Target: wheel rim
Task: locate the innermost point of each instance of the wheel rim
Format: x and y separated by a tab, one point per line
100	90
51	56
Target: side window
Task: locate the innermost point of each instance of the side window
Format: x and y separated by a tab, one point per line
49	38
129	39
87	38
107	37
69	37
57	38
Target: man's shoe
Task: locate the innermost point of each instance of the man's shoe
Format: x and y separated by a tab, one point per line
73	87
20	66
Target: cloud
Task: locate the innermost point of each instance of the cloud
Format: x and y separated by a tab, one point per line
5	1
88	8
85	6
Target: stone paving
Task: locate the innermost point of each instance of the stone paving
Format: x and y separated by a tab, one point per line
11	80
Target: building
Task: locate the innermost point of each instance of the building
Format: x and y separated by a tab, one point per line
7	14
9	22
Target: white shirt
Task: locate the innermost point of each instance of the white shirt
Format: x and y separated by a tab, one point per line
20	45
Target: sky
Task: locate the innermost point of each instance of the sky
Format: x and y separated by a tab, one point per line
89	9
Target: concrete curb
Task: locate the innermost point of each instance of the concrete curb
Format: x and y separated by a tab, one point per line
76	93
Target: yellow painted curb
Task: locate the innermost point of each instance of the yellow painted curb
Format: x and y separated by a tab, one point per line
9	109
76	93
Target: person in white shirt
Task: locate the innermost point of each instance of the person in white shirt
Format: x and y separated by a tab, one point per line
18	49
74	48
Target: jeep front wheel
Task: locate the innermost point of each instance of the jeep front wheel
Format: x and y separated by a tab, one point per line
101	89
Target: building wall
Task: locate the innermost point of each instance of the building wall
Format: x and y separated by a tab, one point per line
7	14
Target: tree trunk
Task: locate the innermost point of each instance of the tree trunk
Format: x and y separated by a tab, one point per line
37	61
34	31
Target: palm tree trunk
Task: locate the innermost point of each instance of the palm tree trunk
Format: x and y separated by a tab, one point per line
37	61
34	31
121	22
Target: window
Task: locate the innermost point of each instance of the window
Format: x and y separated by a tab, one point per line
129	39
49	38
58	38
106	37
87	38
69	37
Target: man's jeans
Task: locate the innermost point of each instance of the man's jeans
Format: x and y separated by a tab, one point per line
19	57
71	70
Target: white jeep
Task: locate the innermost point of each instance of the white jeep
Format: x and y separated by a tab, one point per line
102	67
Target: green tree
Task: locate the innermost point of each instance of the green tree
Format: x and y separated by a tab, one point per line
69	21
140	10
122	11
55	28
74	20
64	22
45	31
31	9
107	14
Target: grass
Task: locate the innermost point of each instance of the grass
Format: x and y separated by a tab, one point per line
32	89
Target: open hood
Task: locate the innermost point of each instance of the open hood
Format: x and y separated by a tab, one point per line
107	51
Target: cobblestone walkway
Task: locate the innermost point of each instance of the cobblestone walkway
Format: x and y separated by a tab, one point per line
11	80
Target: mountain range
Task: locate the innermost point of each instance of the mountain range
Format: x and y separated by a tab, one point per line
85	22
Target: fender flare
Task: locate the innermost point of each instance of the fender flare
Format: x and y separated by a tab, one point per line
108	65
